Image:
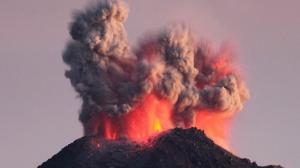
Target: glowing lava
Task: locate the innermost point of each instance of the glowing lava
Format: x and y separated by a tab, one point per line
145	120
154	116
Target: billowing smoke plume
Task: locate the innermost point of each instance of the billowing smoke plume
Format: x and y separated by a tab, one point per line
112	79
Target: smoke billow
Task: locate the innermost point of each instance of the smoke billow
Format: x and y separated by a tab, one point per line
112	79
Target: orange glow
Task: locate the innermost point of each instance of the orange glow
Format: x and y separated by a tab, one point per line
109	130
215	126
153	116
223	64
157	126
150	117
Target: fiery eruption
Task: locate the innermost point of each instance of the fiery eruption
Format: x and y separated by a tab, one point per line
171	80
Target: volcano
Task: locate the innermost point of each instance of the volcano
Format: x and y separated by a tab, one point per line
144	107
176	148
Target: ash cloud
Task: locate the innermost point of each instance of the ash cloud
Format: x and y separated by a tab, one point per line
112	78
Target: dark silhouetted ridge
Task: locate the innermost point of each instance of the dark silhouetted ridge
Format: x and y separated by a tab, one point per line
177	148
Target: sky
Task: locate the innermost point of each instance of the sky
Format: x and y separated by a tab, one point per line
39	108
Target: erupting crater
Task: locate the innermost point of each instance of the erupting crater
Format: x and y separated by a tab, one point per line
170	80
138	105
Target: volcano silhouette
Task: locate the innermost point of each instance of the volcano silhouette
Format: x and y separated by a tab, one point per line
176	148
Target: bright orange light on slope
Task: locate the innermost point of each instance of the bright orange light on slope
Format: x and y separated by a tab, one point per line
154	116
215	126
157	126
150	117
